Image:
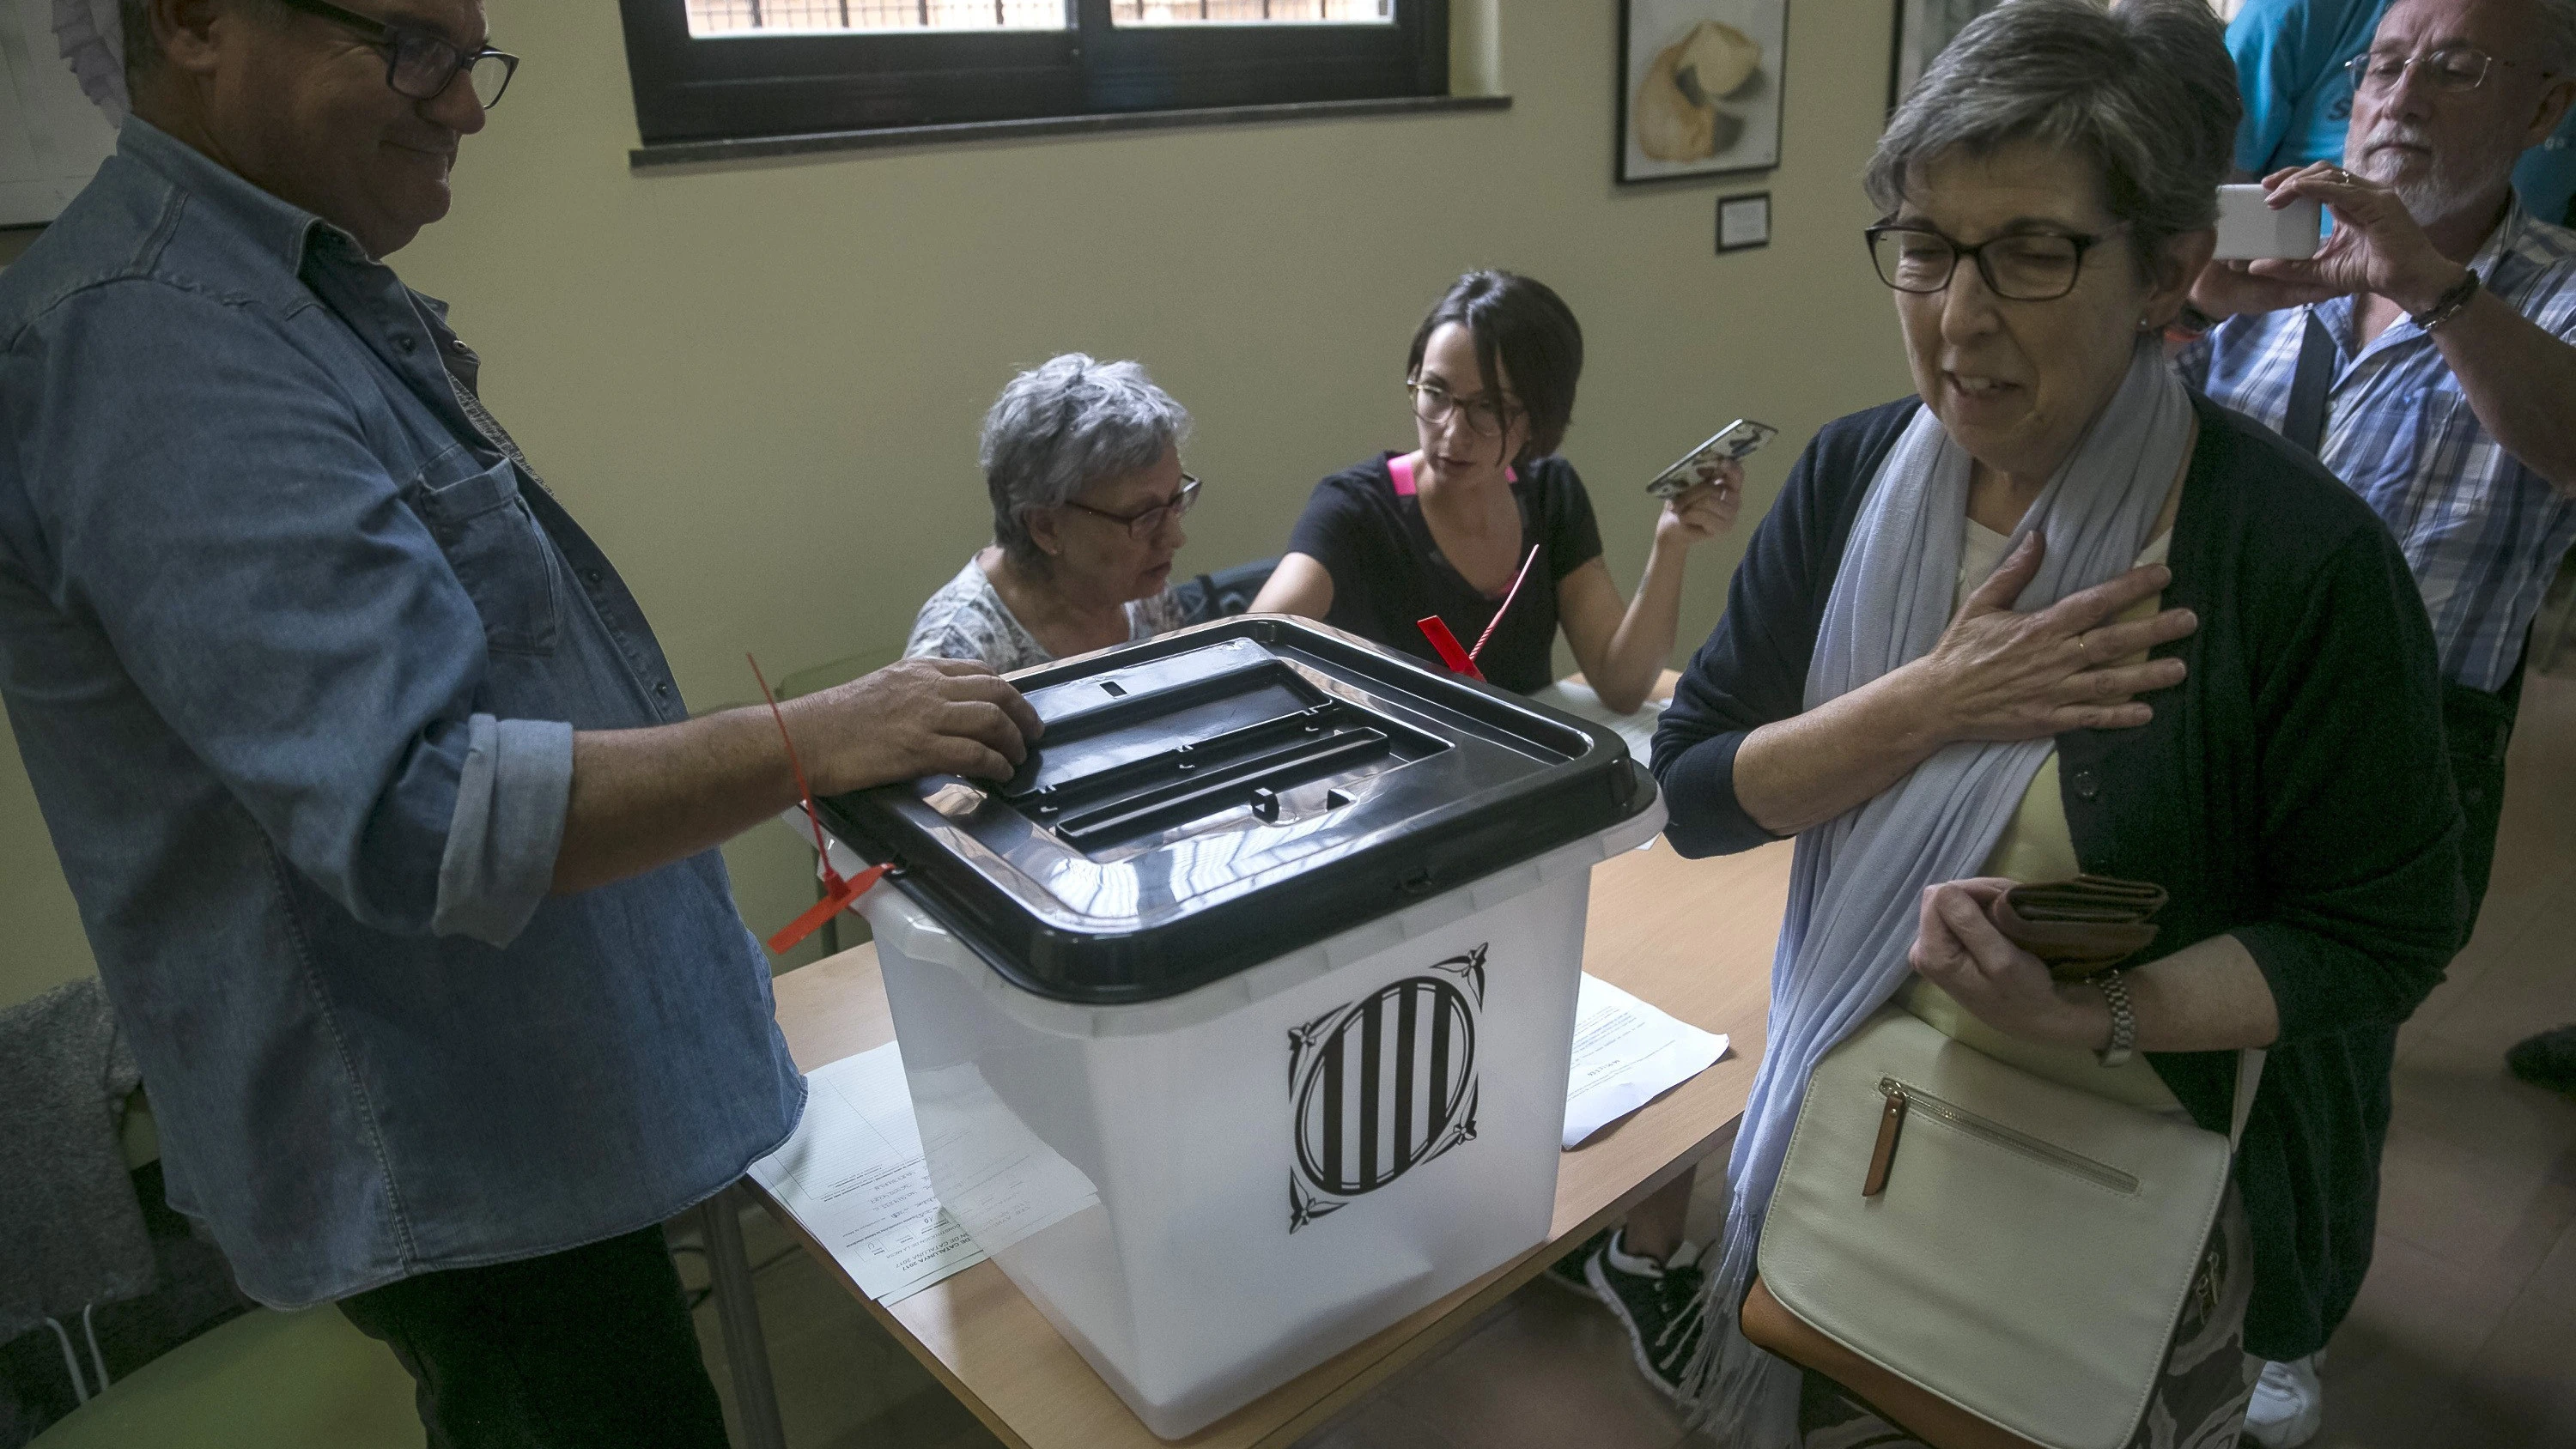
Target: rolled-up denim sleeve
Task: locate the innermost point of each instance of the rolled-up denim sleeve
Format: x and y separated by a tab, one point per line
509	822
206	491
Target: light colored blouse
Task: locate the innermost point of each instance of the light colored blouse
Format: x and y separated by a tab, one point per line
967	619
2038	845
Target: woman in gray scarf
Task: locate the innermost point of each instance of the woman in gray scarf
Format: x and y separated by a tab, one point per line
2057	614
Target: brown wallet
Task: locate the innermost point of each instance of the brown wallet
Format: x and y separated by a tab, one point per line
2080	927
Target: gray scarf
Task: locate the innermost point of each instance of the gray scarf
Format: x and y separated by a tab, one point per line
1856	880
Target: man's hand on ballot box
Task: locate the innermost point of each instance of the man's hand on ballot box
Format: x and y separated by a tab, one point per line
912	718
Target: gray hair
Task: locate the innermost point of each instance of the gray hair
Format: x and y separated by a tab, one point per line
2557	20
142	47
2144	90
1066	423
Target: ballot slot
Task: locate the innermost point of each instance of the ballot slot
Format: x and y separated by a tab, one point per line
1124	758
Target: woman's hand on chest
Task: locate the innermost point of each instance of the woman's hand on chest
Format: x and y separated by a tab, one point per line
1996	674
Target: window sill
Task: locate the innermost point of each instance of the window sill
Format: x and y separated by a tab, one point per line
756	148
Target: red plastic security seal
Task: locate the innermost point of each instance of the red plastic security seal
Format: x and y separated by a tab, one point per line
1463	661
1452	653
837	892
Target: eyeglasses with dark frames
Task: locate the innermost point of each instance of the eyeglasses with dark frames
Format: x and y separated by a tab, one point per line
1433	403
2449	68
2022	266
422	64
1144	521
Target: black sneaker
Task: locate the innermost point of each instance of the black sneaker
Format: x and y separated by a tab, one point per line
1568	1272
2546	1060
1659	1305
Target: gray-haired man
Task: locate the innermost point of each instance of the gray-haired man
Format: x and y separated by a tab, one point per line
2428	355
390	832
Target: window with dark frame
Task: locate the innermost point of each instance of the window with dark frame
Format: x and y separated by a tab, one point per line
707	70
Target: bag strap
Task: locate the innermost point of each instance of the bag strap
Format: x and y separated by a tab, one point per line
2305	423
2249	1078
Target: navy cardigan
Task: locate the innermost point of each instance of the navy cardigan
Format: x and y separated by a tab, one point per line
2292	791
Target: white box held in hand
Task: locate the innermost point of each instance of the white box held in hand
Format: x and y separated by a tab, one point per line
1238	1023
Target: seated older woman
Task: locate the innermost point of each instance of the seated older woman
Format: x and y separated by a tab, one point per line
2058	614
1083	461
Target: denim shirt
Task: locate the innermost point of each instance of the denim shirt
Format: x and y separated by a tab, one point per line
294	645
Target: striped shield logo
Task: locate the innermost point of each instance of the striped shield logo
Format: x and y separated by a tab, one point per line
1383	1084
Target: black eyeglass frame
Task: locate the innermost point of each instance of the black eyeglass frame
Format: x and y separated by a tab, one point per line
392	39
1143	522
2359	67
2083	243
1503	413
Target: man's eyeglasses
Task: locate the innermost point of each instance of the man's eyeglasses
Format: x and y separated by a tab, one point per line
2025	266
1144	521
1433	403
422	64
2451	68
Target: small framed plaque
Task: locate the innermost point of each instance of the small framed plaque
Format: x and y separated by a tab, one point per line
1744	221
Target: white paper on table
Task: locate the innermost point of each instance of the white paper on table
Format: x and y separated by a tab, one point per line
1626	1054
1579	700
852	1173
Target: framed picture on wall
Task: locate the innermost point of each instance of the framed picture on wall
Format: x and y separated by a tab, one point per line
1923	27
1700	87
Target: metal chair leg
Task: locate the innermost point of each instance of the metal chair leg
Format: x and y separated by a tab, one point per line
755	1397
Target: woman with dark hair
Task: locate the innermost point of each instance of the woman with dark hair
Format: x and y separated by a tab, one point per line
1448	528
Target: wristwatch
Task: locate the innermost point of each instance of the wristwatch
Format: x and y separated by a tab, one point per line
2450	303
2124	1020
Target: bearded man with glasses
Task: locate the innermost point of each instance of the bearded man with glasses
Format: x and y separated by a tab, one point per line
2427	354
392	837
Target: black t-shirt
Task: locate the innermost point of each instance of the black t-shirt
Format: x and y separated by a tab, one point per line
1387	572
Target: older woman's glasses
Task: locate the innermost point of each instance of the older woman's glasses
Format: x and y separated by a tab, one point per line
2451	68
1433	404
1143	522
2025	266
422	64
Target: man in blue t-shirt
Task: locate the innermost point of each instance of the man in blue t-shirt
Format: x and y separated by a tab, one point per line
2290	57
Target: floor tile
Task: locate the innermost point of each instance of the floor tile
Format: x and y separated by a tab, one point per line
1555	1371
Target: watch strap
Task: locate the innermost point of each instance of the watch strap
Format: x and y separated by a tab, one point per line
2124	1020
2451	303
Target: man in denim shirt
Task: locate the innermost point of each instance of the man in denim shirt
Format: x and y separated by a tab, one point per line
387	824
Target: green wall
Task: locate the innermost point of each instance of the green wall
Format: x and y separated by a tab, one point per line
759	384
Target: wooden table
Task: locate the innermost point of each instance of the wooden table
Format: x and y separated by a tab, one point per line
1691	937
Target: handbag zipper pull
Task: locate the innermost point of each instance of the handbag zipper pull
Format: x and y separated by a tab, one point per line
1891	1121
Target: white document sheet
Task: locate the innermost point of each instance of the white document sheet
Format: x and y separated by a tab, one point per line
1626	1054
853	1174
1637	729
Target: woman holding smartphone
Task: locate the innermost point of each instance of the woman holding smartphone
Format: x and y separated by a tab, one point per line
1448	528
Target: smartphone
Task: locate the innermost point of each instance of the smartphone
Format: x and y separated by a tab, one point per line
1735	440
2248	227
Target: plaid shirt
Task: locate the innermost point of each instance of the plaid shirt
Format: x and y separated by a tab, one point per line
2482	532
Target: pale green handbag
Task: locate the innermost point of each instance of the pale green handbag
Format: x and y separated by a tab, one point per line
2008	1246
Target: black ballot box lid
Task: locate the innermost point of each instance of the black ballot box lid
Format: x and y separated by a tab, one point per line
1218	797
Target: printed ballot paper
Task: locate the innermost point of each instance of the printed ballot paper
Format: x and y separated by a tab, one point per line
853	1172
1626	1054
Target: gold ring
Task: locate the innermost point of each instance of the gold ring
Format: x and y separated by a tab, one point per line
2342	177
